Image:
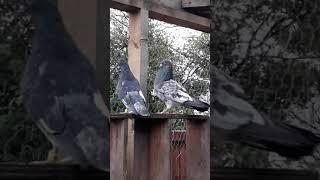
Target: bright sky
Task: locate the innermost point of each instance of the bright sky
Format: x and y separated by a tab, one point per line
177	33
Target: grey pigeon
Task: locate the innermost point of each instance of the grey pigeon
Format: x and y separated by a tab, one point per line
129	92
173	93
60	92
237	120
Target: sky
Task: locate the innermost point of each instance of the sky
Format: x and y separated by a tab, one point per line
179	34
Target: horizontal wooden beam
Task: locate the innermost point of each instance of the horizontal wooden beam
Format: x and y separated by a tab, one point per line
22	171
164	11
195	3
124	116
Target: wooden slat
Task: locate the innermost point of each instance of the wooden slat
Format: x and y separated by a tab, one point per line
261	174
23	171
159	155
141	151
20	171
178	155
157	117
198	150
118	150
138	47
195	3
165	11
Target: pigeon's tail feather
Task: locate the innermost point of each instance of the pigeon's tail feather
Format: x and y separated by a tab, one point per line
286	140
197	105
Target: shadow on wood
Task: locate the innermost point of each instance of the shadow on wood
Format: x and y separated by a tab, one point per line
10	171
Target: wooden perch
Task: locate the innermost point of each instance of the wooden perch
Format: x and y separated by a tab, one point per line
123	116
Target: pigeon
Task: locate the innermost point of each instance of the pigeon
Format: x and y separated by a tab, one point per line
60	93
129	91
236	119
172	92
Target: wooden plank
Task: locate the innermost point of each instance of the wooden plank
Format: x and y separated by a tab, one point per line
138	47
157	117
22	171
178	155
103	49
81	26
90	31
165	11
159	155
130	149
141	151
261	174
198	150
118	149
195	3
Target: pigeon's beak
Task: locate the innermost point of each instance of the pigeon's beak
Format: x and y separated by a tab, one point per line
161	65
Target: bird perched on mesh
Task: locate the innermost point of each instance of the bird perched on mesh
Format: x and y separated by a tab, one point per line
172	92
237	120
60	92
129	91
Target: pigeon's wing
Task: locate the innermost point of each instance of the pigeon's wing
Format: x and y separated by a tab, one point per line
131	96
232	109
79	125
172	90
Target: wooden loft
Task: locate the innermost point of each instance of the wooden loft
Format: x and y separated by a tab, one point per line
185	13
197	7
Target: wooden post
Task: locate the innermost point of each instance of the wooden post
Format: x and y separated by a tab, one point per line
87	22
138	46
118	149
152	150
198	150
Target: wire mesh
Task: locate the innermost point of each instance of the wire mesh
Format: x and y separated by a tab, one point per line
178	155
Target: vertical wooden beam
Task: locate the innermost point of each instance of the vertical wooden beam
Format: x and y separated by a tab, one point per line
141	151
87	21
80	20
138	148
130	149
198	150
212	83
152	150
138	46
160	151
103	49
118	149
88	24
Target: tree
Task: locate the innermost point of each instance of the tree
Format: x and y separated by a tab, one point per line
272	48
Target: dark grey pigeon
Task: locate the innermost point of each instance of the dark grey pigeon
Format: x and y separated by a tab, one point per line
235	119
129	92
173	93
60	92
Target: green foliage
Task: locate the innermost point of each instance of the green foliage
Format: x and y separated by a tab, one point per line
20	139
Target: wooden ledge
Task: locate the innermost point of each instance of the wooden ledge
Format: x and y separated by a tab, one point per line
25	171
122	116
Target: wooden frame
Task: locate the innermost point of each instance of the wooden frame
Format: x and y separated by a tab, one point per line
137	144
151	147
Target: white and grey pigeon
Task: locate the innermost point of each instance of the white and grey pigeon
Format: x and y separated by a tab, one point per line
60	93
129	91
237	120
172	92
